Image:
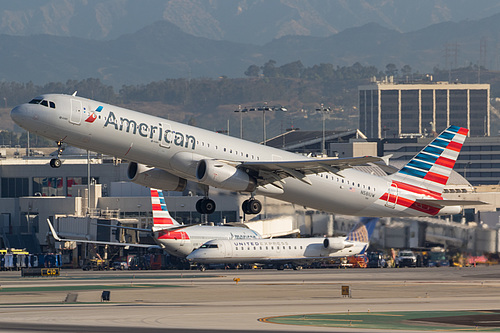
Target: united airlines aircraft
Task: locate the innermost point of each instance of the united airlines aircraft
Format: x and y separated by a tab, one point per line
177	239
294	251
165	154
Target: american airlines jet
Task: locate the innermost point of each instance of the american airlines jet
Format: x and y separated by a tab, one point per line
165	154
294	251
177	239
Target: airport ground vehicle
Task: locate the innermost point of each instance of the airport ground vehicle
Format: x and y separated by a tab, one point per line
376	260
406	258
120	265
437	258
95	265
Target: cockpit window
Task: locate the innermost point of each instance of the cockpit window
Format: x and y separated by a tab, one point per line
209	246
43	102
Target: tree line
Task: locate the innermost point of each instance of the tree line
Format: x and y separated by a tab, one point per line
268	82
208	102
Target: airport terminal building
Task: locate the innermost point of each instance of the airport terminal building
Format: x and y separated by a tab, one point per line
395	110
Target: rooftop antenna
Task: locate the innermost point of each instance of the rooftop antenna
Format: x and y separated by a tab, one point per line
74	94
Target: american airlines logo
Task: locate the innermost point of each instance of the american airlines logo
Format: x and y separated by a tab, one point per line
93	116
166	136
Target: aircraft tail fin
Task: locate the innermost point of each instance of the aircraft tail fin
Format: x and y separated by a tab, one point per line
363	230
161	216
432	166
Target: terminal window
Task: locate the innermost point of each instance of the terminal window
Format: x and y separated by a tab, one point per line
71	181
15	187
48	186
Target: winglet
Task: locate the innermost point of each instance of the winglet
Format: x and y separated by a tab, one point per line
53	231
386	158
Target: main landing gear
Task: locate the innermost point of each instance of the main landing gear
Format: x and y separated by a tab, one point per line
205	206
56	162
251	206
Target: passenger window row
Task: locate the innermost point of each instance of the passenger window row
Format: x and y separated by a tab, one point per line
267	248
343	181
230	151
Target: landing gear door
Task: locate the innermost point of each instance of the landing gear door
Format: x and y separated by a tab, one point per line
166	135
76	112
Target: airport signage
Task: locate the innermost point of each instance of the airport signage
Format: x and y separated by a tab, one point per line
25	272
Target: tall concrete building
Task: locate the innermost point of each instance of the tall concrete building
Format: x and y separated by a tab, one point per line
391	110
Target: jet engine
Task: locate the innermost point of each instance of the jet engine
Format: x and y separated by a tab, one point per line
155	178
335	244
222	175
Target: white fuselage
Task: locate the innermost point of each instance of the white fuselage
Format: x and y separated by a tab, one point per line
182	242
177	148
270	250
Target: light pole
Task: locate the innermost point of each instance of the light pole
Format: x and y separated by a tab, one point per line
468	164
265	108
241	111
323	110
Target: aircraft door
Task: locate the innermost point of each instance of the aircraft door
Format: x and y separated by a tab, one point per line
226	250
392	196
76	112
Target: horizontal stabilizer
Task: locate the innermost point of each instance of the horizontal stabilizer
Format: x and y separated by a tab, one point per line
443	203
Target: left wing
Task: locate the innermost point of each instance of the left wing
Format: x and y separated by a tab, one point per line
275	171
444	203
57	238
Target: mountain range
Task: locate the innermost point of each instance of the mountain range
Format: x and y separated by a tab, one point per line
164	50
247	21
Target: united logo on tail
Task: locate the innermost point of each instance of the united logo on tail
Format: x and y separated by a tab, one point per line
363	230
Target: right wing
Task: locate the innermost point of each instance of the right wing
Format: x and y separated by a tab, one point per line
275	171
57	238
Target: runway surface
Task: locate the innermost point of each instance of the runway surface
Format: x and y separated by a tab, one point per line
262	300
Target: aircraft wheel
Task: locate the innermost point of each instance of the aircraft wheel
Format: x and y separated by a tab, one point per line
198	206
55	163
205	206
244	207
254	206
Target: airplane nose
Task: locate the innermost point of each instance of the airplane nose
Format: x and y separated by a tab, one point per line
17	114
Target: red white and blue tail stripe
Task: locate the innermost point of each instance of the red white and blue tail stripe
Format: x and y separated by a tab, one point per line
430	169
161	216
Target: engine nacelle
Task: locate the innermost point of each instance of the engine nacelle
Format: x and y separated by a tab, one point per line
222	175
334	244
155	178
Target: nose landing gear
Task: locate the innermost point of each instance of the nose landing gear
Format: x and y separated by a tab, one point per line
56	162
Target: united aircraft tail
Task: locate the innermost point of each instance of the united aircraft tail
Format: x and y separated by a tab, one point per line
161	217
362	231
430	169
